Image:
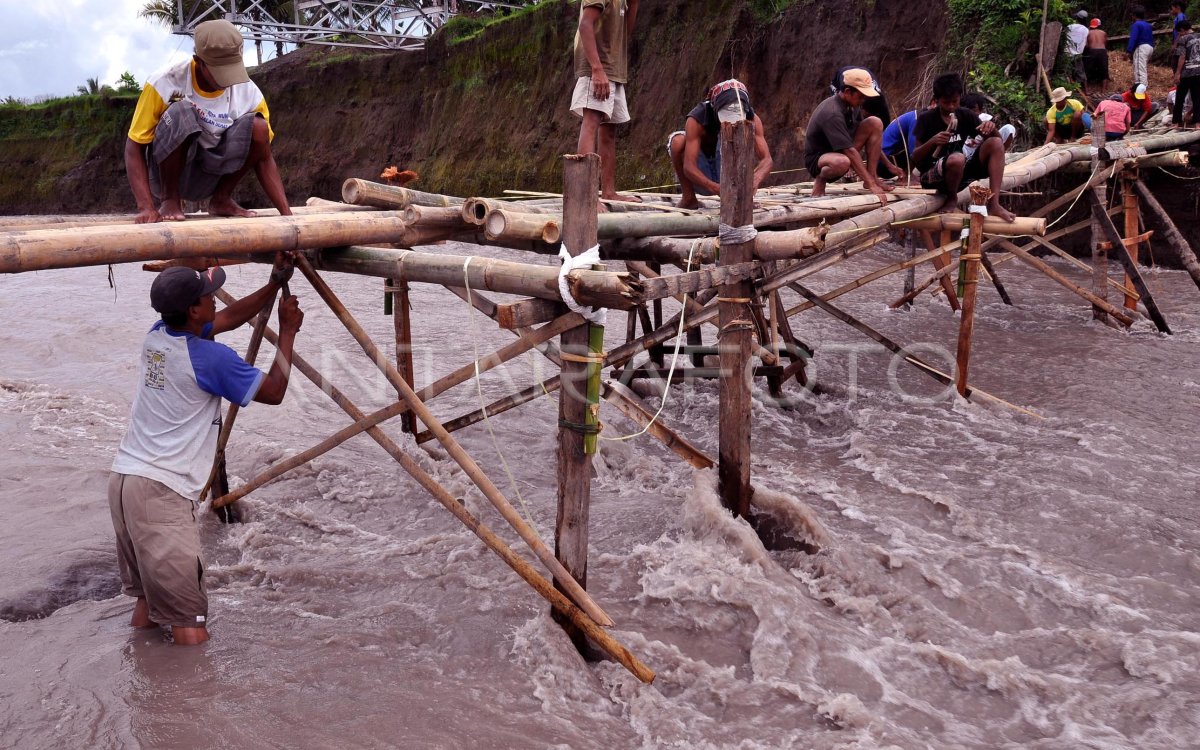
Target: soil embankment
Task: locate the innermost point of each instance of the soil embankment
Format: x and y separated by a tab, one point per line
487	113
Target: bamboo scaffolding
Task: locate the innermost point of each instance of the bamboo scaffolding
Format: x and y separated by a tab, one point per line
365	193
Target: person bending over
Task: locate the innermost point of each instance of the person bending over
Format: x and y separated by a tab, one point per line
1064	118
164	459
840	136
941	134
199	126
695	151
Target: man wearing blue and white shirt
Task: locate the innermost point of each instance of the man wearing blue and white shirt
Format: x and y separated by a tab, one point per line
165	457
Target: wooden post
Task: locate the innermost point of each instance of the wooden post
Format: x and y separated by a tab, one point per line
581	181
1099	254
1128	178
910	278
402	322
1171	232
737	325
970	283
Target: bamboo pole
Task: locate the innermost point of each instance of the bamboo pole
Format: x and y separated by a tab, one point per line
969	280
437	217
1123	316
1171	232
737	328
1131	268
475	210
1100	280
632	407
402	328
1131	213
992	225
71	221
577	421
366	193
1104	244
539	584
451	446
99	245
499	406
502	223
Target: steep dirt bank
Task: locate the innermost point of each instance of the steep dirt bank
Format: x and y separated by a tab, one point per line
489	113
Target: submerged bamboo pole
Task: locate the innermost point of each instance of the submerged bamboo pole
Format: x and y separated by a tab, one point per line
737	327
1171	232
562	604
1131	215
969	272
460	456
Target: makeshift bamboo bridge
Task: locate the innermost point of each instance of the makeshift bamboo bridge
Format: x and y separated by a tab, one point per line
733	256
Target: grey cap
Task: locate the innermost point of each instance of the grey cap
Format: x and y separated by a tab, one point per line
176	289
1082	15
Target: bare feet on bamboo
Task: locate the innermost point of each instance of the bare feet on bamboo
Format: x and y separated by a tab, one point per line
619	197
227	207
995	209
171	210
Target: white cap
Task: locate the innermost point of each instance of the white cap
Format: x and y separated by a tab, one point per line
1007	133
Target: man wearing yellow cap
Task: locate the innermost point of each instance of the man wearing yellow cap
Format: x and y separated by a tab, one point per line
199	126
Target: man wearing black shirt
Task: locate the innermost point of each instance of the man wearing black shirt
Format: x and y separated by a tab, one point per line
839	134
696	150
940	134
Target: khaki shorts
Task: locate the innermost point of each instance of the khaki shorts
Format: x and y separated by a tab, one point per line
614	108
158	549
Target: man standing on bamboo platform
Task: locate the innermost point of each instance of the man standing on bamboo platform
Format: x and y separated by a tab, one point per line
1141	44
942	132
1187	72
1095	59
1064	118
164	460
695	151
1077	35
198	128
839	137
602	72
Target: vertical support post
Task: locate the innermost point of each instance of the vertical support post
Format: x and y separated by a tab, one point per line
402	323
969	280
581	184
910	276
737	324
1129	176
1099	254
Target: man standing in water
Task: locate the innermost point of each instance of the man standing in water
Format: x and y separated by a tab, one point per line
165	457
602	71
198	128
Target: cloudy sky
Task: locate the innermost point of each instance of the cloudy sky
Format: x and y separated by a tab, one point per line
48	47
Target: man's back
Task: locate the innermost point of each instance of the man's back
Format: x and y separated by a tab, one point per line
1077	35
1097	39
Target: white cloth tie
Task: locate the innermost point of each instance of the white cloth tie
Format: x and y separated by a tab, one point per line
584	260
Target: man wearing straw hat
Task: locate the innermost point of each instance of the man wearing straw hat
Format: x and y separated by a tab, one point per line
695	151
165	456
198	128
1064	118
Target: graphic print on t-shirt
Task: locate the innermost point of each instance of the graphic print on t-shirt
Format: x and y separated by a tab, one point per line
156	369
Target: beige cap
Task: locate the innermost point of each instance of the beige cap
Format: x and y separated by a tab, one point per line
219	45
857	78
1058	94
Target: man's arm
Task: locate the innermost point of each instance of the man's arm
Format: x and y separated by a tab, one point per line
274	385
763	152
587	37
923	150
139	182
1145	114
692	132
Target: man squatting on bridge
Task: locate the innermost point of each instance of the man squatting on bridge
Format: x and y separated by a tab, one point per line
695	151
165	457
840	136
198	128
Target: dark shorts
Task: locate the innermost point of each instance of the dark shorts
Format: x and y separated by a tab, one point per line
810	163
1095	64
203	167
934	178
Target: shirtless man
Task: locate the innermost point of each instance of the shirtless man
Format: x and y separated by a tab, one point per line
1095	59
198	128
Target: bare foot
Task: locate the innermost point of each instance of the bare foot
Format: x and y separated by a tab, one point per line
170	210
995	209
693	203
189	636
226	207
818	187
949	206
887	187
619	197
141	615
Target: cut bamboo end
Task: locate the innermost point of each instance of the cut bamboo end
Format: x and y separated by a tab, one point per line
513	225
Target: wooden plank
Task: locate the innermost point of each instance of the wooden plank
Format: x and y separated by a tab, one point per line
527	312
969	269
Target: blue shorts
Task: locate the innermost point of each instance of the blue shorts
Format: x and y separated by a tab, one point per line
709	166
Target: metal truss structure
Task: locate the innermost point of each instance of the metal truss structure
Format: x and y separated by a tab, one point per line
378	24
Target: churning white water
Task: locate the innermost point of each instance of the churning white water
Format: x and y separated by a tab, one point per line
939	574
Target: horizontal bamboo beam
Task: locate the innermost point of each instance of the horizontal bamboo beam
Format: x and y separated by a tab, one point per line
367	193
68	221
992	225
502	223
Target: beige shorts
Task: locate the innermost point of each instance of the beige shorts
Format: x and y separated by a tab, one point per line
158	549
614	108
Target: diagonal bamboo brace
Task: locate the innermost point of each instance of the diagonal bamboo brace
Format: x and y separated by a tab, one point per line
460	456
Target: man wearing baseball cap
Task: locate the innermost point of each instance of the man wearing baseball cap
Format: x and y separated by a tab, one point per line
199	126
695	151
165	457
840	136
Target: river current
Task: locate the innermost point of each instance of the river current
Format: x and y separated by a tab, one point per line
943	573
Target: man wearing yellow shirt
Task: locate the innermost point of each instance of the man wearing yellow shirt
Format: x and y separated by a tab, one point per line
198	128
1064	119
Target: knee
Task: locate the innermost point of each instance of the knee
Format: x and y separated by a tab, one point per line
834	165
677	143
956	161
872	125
